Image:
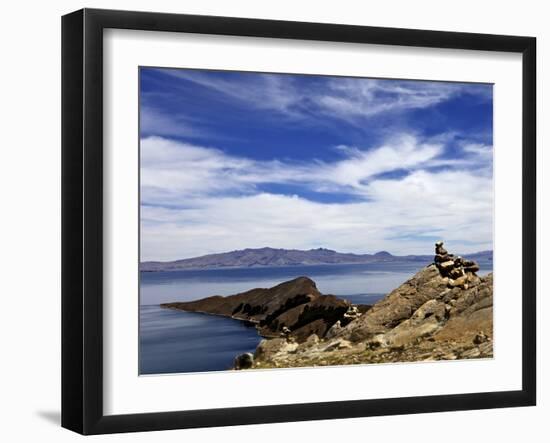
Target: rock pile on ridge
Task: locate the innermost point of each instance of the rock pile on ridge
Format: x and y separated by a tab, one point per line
459	271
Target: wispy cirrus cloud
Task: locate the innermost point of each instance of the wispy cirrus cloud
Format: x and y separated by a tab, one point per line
351	99
264	91
154	121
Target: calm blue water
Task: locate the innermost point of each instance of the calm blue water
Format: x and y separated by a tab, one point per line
176	341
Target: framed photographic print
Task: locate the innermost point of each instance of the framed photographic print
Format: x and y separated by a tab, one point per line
269	221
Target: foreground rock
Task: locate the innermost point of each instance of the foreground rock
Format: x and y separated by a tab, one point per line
441	313
294	309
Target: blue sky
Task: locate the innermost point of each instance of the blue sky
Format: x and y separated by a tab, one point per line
233	160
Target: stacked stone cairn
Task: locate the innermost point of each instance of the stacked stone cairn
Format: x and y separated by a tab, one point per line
352	312
457	270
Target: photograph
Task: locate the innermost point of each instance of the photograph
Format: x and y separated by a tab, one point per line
291	220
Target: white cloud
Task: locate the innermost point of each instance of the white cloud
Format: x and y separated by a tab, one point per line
180	169
453	206
170	168
212	204
401	153
480	151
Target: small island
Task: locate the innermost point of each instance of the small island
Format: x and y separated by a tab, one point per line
444	312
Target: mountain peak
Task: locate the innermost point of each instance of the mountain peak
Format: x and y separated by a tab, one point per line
323	250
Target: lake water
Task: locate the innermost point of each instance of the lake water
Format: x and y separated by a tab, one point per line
176	341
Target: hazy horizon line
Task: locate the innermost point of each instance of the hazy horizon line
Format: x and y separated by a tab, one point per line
304	250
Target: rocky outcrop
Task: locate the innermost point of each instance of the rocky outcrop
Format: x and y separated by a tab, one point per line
314	317
257	304
294	309
444	312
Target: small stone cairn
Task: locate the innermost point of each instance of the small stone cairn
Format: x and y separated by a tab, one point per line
457	270
352	312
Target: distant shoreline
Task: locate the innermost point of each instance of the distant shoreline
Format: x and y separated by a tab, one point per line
277	258
217	268
397	260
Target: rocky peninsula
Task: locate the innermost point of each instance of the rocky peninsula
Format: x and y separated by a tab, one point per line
444	312
294	309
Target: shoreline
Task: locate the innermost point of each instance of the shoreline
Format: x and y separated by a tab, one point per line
222	268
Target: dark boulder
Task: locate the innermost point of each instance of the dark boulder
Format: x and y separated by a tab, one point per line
244	361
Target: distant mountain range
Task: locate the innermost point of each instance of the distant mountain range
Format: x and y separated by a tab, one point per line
271	257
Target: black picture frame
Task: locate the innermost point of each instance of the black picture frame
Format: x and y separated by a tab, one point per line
82	218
